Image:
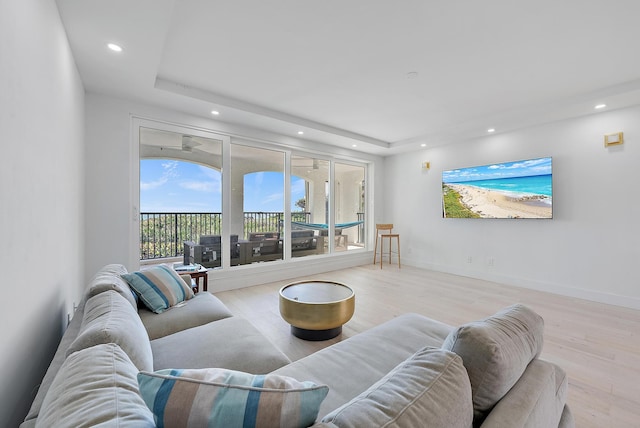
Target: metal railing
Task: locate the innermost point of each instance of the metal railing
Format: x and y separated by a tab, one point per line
162	234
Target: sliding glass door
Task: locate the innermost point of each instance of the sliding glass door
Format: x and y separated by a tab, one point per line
349	213
257	203
180	195
274	205
310	206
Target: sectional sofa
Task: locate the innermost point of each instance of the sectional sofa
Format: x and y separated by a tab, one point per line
136	354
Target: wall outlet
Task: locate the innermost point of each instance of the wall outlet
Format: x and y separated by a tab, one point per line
490	261
469	259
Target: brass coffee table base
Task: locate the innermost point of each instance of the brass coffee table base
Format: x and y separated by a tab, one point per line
316	309
315	335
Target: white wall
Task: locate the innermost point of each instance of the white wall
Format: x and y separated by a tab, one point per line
590	247
111	181
41	193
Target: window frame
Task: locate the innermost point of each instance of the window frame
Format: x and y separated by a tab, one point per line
227	140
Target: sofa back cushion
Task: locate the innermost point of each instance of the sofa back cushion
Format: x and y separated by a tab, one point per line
110	278
159	287
109	318
430	388
96	386
496	351
226	398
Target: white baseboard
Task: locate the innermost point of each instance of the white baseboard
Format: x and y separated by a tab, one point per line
262	273
560	289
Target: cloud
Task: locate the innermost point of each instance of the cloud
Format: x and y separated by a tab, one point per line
168	172
297	186
258	178
274	197
200	186
210	182
210	173
150	185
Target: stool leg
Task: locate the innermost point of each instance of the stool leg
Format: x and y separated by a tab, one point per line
398	238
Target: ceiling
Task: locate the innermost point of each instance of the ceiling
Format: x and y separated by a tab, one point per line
383	76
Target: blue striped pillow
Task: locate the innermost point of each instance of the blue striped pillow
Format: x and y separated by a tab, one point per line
159	287
227	398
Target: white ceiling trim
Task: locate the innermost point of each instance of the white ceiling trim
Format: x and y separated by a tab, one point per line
204	95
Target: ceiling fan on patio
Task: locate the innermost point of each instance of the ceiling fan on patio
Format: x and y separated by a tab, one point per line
189	142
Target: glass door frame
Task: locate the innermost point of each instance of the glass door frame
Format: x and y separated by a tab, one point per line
134	230
138	122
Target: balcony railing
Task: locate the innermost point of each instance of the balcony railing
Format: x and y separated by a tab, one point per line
162	234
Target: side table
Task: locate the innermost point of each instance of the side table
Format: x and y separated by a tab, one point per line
196	275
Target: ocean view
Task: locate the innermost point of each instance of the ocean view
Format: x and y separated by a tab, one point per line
531	185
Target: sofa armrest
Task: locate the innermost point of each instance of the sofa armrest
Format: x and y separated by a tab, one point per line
59	357
536	400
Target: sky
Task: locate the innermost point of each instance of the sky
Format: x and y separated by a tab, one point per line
174	186
524	168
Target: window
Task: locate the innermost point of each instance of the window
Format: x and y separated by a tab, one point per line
309	213
180	193
278	205
349	194
257	203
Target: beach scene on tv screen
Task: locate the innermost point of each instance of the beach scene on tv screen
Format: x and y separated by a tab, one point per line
519	189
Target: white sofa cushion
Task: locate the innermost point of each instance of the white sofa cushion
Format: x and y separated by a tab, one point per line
96	386
109	278
109	318
367	357
430	388
496	351
201	310
231	343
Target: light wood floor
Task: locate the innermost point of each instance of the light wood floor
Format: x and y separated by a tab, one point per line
597	344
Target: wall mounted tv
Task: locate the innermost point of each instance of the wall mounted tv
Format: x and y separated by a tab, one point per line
520	189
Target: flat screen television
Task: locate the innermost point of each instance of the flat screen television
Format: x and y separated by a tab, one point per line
519	189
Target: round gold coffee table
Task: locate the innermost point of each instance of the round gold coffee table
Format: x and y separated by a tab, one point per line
316	310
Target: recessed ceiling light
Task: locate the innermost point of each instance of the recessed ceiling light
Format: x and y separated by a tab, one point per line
215	112
599	106
354	145
491	130
300	132
114	47
423	145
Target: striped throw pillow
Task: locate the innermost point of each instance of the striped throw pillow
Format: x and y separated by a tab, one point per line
159	287
227	398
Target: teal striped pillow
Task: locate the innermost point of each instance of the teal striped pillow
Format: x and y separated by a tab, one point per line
159	287
227	398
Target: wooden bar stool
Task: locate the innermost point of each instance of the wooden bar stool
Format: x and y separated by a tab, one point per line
380	228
